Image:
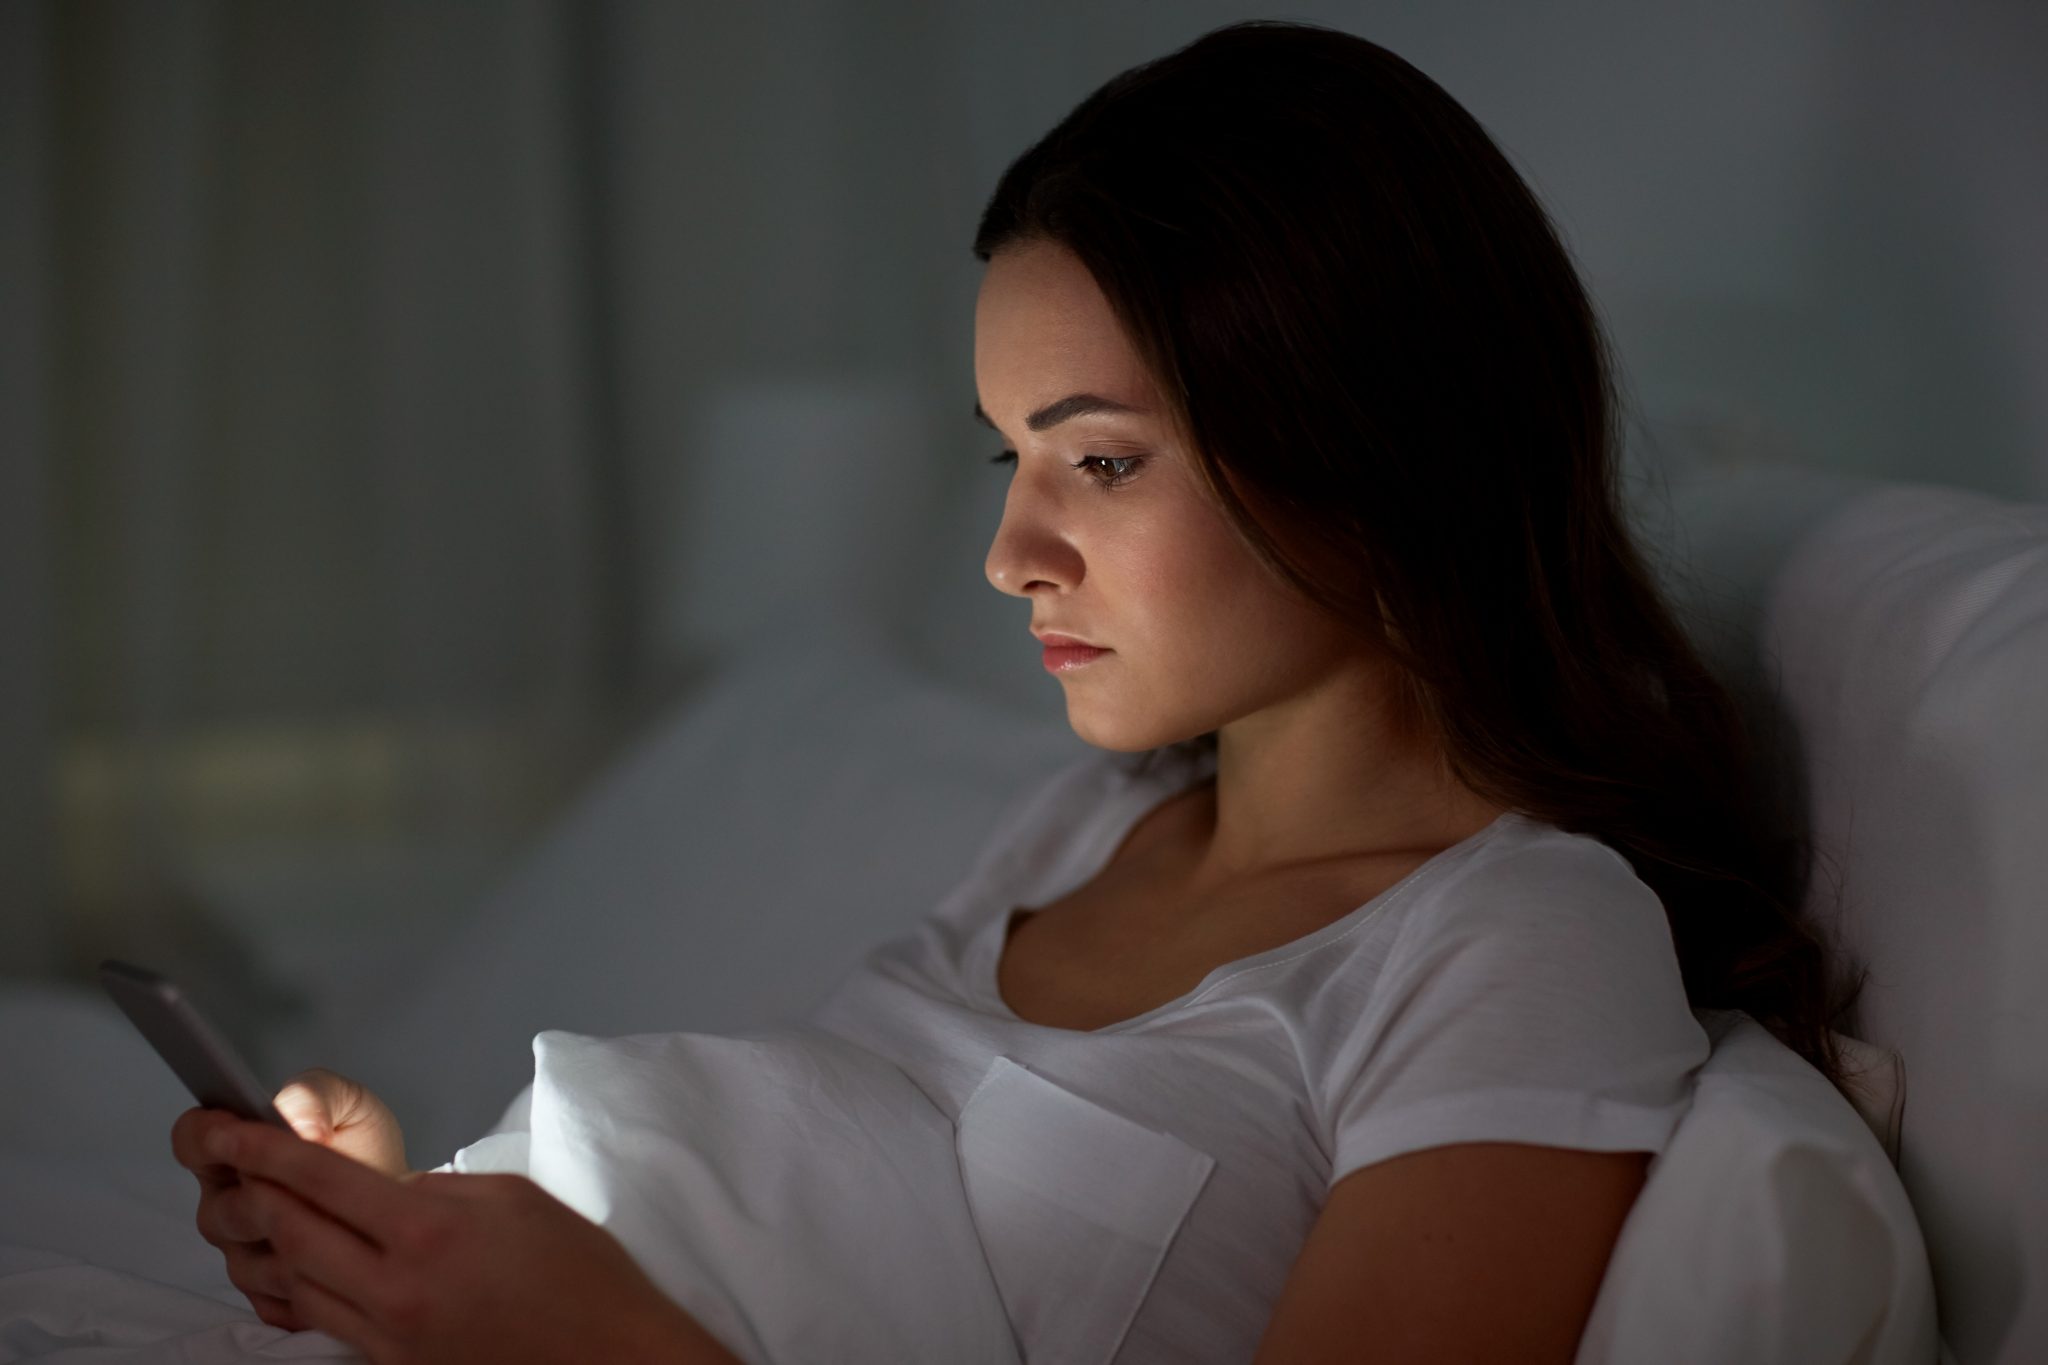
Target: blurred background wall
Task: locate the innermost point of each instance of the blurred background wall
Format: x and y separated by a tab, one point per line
403	403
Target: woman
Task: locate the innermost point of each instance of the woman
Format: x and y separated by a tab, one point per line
1419	827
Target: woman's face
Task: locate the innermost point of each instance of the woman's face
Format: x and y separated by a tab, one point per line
1199	633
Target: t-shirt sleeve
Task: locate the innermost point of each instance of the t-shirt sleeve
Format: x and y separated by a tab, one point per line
1536	998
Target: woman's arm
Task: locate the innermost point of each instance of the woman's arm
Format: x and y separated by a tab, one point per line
680	1340
1478	1253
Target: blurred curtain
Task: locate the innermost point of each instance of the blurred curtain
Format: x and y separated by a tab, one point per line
28	926
310	525
405	400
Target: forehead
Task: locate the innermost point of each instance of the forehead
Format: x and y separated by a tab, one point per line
1040	323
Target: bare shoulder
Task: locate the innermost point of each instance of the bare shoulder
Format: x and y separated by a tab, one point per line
1474	1252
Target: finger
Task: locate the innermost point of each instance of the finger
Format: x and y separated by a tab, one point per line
223	1218
188	1146
310	1103
255	1268
365	1200
311	1245
326	1311
275	1311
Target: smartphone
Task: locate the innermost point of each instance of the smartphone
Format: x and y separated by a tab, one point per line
211	1069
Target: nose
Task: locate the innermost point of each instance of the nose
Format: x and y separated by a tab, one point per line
1029	549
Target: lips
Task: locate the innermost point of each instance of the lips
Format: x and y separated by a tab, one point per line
1066	658
1052	640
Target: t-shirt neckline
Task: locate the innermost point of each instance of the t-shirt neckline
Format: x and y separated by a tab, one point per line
1145	792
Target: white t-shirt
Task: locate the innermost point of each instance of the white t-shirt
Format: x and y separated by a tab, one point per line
1520	986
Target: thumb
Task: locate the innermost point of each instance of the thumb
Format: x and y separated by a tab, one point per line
310	1103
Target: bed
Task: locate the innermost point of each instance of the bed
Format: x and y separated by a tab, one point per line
1889	640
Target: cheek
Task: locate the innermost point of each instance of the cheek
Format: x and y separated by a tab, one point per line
1195	574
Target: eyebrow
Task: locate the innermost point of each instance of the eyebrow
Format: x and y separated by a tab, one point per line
1052	414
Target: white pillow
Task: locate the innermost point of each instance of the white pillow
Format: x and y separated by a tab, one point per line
798	1194
1773	1229
1911	633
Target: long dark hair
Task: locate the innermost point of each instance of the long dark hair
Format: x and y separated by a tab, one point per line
1376	348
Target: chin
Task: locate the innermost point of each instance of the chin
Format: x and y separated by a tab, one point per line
1129	739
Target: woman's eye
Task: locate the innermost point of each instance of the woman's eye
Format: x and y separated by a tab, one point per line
1114	477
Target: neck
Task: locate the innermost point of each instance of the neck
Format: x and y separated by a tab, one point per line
1325	778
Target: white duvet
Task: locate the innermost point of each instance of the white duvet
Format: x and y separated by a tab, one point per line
800	1196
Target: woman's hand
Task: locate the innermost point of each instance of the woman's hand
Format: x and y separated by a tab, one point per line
328	1108
322	1106
440	1269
